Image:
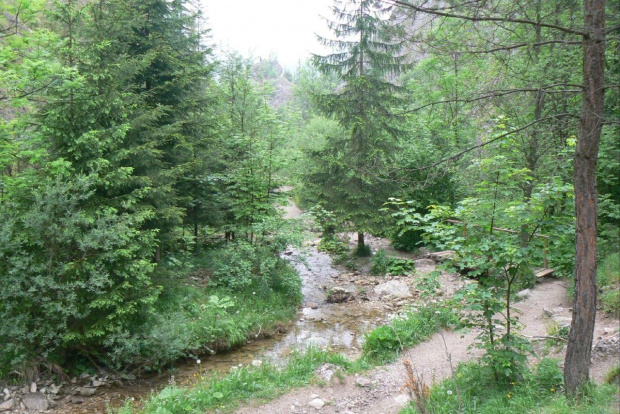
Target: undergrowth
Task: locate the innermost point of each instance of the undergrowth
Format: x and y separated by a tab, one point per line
264	382
211	302
382	264
539	391
384	343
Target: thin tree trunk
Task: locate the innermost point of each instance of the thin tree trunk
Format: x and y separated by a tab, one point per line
578	353
360	239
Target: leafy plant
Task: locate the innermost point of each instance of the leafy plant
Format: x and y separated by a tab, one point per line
429	283
381	264
362	251
398	266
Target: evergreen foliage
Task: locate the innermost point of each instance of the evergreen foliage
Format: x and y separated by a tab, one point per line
350	175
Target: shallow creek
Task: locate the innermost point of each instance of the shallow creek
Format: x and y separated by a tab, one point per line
338	326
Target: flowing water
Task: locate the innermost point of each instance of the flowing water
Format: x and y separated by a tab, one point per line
338	326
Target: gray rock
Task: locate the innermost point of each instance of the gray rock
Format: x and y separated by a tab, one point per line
394	289
35	401
524	294
6	405
317	403
402	399
342	289
362	382
553	312
326	372
86	391
33	387
257	363
53	389
563	321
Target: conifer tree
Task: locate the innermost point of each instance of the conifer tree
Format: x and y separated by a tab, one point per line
76	262
351	177
173	86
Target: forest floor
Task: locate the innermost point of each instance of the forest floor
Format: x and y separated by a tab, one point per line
380	391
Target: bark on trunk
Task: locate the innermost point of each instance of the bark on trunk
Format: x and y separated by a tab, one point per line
360	239
578	353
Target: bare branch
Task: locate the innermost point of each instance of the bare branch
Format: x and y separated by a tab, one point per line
497	94
511	47
477	18
495	139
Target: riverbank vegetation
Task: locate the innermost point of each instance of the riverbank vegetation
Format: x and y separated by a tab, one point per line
473	390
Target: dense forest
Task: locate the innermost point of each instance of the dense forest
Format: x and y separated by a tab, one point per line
141	173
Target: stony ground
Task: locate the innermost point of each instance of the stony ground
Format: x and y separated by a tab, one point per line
380	391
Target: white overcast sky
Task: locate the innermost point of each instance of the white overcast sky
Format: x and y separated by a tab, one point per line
259	28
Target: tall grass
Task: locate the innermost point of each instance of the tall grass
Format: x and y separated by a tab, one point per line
264	382
539	391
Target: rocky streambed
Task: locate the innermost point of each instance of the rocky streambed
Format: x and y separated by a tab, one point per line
340	325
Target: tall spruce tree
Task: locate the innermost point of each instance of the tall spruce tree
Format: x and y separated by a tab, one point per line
75	260
172	85
351	177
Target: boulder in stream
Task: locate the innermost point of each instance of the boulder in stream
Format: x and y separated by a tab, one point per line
394	289
340	295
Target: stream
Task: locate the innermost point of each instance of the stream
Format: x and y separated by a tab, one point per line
339	326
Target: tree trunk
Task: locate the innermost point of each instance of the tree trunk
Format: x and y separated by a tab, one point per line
578	353
360	239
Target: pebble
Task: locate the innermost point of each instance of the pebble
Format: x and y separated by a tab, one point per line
524	294
6	405
402	399
86	391
317	403
362	382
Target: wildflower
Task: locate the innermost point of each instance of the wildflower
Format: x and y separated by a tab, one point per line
449	392
437	312
254	293
198	361
552	389
509	395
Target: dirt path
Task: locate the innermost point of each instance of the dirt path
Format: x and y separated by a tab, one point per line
379	391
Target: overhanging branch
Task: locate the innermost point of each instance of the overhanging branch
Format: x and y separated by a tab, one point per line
477	18
495	139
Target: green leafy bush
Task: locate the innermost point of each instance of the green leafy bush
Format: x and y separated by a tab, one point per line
264	382
381	264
